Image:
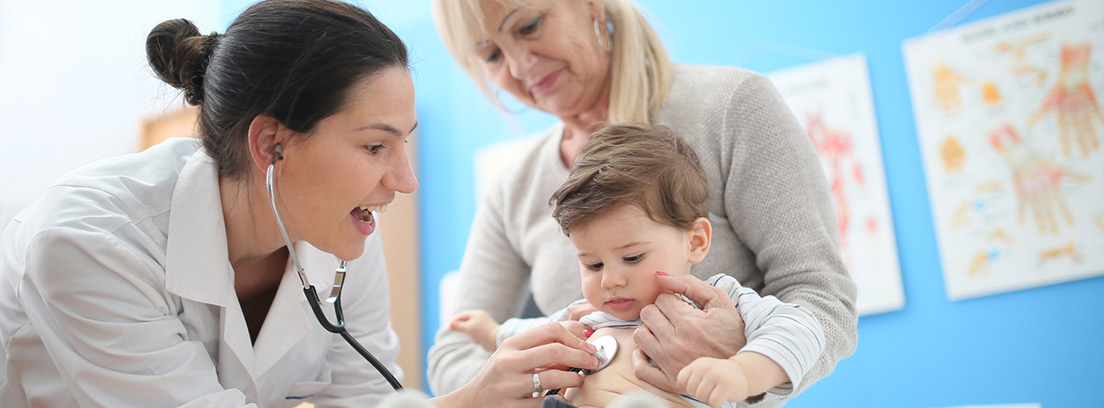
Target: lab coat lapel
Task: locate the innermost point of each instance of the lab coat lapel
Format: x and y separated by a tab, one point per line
290	318
198	267
197	262
236	368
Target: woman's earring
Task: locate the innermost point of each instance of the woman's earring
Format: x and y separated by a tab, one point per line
603	41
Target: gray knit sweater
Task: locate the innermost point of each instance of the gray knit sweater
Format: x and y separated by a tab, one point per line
774	229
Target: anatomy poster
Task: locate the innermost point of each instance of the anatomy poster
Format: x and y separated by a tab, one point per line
1009	120
833	102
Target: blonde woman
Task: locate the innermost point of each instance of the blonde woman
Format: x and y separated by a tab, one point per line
593	62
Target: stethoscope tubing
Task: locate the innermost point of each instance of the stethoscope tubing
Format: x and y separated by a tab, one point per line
339	328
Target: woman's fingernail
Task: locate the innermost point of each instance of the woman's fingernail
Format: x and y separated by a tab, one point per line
661	273
588	332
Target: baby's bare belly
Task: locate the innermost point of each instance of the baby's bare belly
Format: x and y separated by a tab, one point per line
601	389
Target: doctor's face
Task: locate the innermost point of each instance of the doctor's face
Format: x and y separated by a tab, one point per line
351	166
545	53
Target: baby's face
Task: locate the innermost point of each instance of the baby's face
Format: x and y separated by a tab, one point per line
619	254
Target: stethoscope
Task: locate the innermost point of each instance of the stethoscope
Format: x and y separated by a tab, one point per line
308	289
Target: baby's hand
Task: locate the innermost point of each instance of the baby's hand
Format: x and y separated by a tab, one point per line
479	325
714	381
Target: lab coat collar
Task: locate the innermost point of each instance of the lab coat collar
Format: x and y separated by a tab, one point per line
197	262
198	268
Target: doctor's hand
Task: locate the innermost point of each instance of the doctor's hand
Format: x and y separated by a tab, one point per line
674	334
541	355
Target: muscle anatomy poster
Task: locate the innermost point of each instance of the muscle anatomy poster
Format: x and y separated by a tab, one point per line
1009	120
833	101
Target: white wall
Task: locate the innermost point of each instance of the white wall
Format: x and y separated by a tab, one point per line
74	85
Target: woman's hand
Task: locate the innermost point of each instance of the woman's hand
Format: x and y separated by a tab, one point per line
576	312
674	334
507	379
479	325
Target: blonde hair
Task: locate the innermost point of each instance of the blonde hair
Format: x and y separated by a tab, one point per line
648	166
641	69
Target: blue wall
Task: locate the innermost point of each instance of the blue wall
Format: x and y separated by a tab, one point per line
1037	345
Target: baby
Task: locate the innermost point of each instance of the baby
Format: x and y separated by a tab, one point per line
634	206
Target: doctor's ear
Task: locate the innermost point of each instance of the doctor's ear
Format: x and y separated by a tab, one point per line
267	138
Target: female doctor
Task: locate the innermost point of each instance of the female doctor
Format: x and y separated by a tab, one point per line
176	276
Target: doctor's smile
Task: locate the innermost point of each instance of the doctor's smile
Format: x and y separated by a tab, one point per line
364	217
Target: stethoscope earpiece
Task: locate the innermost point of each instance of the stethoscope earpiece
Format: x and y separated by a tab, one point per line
277	153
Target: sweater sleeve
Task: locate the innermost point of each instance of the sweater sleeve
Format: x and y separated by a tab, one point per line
777	196
492	277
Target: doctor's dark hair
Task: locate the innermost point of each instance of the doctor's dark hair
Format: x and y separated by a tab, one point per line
293	60
648	166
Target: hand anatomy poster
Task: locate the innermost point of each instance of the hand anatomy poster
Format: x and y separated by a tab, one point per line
833	101
1009	120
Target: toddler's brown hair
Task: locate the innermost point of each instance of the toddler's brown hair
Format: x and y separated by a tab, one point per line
639	164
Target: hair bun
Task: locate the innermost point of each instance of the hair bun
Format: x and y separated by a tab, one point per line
179	54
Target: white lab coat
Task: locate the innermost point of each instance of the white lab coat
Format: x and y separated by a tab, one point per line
117	291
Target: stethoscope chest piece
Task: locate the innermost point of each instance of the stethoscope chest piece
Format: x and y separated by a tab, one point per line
607	350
